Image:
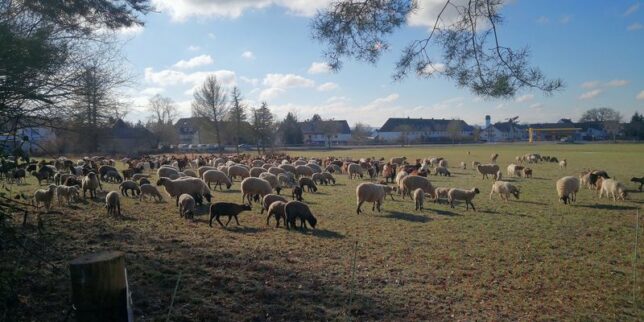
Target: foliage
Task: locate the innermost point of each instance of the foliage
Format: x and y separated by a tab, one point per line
601	114
290	130
263	127
635	129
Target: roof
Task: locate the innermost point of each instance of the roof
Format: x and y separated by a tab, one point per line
506	126
309	127
583	125
421	125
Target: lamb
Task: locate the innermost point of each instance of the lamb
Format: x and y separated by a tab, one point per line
113	176
514	170
487	169
44	196
297	193
294	210
129	185
419	198
563	163
441	194
189	185
411	183
227	209
388	190
187	206
254	186
238	171
328	177
269	199
504	189
90	182
113	203
150	190
527	173
65	193
442	171
276	209
398	161
218	177
638	180
303	170
613	188
256	171
354	170
462	194
567	188
308	183
369	192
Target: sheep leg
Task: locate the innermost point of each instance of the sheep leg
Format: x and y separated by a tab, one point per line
378	206
358	211
268	217
235	220
177	201
472	205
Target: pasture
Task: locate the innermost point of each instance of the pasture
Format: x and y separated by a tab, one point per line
527	259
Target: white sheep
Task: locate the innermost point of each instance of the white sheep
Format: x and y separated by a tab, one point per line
276	209
218	177
203	169
238	170
187	206
256	171
613	188
67	194
419	198
287	167
190	173
45	196
150	190
487	169
369	192
90	182
275	170
272	180
189	185
270	199
354	170
410	183
514	170
441	194
399	176
463	165
567	188
113	203
504	189
166	171
303	170
563	163
462	194
254	186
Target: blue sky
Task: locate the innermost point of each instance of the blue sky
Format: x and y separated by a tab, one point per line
265	48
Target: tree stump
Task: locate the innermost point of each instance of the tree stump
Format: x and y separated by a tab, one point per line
99	287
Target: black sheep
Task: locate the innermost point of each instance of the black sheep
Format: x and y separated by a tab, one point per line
297	194
308	183
294	210
226	209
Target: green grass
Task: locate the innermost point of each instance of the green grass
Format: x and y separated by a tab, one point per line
527	259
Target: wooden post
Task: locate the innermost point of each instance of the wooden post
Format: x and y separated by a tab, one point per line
99	287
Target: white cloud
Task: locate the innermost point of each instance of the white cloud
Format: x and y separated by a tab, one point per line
329	86
130	31
634	26
632	8
193	62
151	91
181	10
270	93
589	84
640	96
287	81
536	106
168	77
617	83
248	55
193	48
319	68
252	81
434	68
428	10
524	98
590	94
543	20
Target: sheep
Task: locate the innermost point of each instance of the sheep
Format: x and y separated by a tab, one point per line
62	177
462	194
129	185
504	189
563	163
72	181
308	183
272	179
613	188
475	164
299	162
487	169
166	171
328	177
419	198
399	160
316	168
514	170
189	185
442	171
638	180
493	158
90	182
319	178
203	169
399	176
238	171
463	165
218	177
333	168
227	209
149	190
113	176
303	170
269	199
40	176
190	173
113	203
527	173
144	181
254	186
411	183
297	193
287	167
354	170
369	192
276	209
286	180
256	171
294	210
441	194
442	163
275	170
567	188
44	196
67	194
104	169
498	176
187	206
257	163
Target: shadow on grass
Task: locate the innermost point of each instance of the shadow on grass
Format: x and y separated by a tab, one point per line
538	178
242	229
408	217
608	207
444	212
325	233
530	202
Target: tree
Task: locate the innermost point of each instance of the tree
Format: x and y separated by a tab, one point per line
360	133
454	129
236	115
635	129
163	109
210	102
263	127
291	130
472	53
609	118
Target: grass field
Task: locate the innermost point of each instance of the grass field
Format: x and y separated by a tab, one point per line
528	259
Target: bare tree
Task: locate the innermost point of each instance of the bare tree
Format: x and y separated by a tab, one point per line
210	102
470	46
609	118
237	115
359	133
163	110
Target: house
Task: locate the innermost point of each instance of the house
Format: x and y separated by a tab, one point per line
200	130
317	132
421	130
504	132
123	138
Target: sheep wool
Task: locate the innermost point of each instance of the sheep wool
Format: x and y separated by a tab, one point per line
504	189
567	188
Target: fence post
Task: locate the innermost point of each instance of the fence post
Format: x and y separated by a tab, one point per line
99	289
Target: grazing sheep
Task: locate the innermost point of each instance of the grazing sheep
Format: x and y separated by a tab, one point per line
294	210
129	185
218	177
90	182
369	192
419	198
462	194
442	171
308	183
527	173
514	170
297	193
272	179
286	179
113	176
328	177
113	203
67	194
638	180
398	161
190	173
463	165
166	172
316	168
613	188
189	185
303	170
256	171
276	209
411	183
275	171
104	170
269	199
187	206
567	188
442	163
504	189
441	194
44	196
487	169
227	209
319	178
287	167
254	186
203	169
143	181
238	171
150	190
333	168
354	170
139	176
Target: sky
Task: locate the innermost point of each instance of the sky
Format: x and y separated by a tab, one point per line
265	48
